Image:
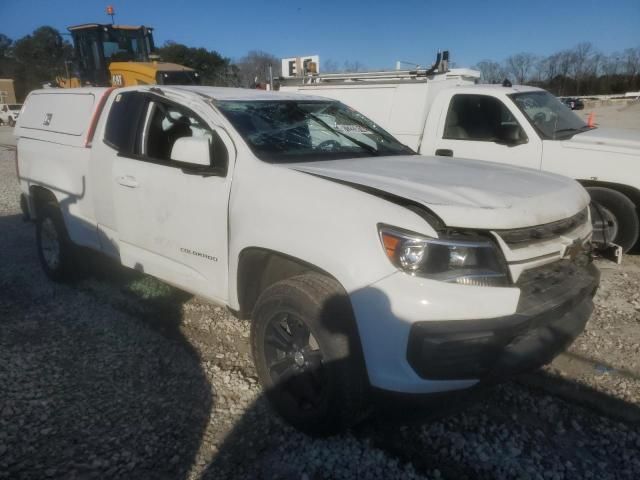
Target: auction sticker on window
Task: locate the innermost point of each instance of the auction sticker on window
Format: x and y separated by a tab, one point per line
352	129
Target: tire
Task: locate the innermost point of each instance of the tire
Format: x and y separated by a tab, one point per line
308	355
56	252
614	217
12	122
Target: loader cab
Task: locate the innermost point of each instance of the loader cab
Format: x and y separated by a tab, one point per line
97	46
122	56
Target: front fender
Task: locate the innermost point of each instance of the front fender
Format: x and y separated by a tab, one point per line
326	224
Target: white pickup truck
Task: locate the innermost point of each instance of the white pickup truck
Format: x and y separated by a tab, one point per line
446	114
360	263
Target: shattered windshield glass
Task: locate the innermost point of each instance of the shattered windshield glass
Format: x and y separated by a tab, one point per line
293	131
550	117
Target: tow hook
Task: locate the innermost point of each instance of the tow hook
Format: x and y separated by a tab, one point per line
611	251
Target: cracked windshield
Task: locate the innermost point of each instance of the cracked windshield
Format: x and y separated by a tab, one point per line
292	131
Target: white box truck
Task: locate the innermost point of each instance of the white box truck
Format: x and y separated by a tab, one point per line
443	112
361	264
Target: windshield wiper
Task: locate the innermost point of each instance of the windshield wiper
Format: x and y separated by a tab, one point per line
362	145
576	130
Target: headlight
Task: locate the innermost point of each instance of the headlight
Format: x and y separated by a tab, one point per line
467	261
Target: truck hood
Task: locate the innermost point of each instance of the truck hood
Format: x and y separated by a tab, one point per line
463	193
612	139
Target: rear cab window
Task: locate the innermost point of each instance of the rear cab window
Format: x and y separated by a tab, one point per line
125	116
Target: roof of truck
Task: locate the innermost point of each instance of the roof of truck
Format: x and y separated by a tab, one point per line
227	93
496	87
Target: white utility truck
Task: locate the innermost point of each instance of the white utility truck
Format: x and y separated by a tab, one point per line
443	112
360	263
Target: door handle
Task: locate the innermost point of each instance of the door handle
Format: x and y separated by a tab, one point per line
127	181
444	152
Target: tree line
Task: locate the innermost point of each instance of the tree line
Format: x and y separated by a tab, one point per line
38	58
43	55
581	70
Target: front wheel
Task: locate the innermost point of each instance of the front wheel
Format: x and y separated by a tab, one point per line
614	217
12	122
307	353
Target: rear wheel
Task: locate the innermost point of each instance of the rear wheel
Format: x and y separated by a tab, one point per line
614	217
55	249
307	354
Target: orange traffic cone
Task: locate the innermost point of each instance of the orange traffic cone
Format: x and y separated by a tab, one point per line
591	120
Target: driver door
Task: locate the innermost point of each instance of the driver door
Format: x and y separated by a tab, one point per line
482	127
171	216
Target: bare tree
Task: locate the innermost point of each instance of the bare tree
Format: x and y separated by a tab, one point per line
548	67
611	64
576	71
254	67
631	61
520	66
490	71
330	66
581	56
354	66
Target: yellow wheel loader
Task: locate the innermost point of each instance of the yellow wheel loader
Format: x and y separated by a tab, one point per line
120	56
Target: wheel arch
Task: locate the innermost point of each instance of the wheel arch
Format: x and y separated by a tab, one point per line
259	268
631	192
38	197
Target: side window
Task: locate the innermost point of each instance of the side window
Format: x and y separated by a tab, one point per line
167	123
481	118
125	117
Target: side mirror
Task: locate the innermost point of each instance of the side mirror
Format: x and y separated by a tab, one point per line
511	135
194	150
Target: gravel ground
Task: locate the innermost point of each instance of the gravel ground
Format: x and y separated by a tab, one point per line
121	376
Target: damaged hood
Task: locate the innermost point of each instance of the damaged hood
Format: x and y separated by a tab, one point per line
463	193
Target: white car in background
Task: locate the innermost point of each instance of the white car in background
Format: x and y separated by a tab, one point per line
9	113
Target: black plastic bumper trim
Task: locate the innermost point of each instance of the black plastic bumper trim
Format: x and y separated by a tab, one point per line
555	305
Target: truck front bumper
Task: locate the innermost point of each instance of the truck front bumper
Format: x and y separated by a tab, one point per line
544	312
554	307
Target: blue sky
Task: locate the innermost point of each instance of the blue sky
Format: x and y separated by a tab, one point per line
374	33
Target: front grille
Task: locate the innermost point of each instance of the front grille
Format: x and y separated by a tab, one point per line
543	287
521	237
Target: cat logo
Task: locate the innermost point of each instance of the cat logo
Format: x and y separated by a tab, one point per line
117	80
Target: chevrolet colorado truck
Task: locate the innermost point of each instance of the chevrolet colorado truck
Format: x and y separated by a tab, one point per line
361	264
445	113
